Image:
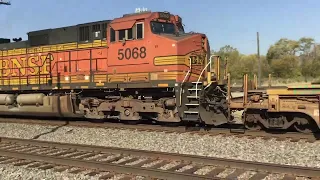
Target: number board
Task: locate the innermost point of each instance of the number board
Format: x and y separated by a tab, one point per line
132	53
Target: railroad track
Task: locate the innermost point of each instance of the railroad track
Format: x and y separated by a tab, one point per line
131	163
277	135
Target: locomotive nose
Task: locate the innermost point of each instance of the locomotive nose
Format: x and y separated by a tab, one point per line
197	49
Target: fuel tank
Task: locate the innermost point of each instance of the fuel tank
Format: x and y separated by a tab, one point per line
37	104
6	99
30	99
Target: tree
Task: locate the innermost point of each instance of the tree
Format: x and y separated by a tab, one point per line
286	67
311	68
297	52
286	58
233	56
282	48
228	51
306	67
306	45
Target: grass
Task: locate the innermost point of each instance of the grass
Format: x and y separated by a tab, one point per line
279	81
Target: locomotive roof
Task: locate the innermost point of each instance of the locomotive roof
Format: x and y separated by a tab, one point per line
125	17
65	27
134	16
67	34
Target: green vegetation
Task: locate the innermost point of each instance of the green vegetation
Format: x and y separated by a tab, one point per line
287	61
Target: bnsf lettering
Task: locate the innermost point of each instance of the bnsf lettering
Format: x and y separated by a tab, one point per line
134	53
196	60
25	66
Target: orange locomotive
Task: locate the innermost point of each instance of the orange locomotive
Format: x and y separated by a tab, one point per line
139	66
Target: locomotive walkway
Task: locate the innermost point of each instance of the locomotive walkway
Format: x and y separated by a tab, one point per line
131	163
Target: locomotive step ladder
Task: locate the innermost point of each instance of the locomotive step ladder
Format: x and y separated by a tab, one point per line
208	80
192	111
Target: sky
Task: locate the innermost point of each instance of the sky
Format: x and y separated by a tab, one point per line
225	22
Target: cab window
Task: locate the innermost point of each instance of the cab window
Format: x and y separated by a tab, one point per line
162	28
112	35
139	30
122	34
136	32
125	34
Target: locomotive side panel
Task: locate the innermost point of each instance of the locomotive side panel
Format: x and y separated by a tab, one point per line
132	51
24	70
34	71
54	58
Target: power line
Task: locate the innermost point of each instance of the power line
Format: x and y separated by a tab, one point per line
2	2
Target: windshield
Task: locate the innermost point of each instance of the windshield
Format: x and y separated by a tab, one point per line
161	27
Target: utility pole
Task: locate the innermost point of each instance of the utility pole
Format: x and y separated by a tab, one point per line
259	60
315	51
2	2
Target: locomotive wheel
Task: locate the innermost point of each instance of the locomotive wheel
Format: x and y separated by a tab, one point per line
305	125
250	122
252	126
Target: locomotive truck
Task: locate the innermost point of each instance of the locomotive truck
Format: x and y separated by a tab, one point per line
136	67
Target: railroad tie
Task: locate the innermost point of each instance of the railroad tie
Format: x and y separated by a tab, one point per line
128	161
177	167
289	177
107	176
146	161
259	176
158	165
236	173
193	169
215	172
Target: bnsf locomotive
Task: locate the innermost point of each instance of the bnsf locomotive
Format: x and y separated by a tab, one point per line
139	66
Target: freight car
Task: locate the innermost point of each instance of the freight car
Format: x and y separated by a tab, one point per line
139	66
278	108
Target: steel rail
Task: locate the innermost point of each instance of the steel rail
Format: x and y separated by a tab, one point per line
180	129
248	165
154	173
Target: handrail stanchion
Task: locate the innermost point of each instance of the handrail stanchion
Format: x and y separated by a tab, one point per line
229	96
185	77
245	90
210	60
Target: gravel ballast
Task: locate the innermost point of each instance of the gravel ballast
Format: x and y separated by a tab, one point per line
271	151
13	172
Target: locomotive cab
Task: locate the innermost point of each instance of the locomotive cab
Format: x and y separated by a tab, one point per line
155	42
